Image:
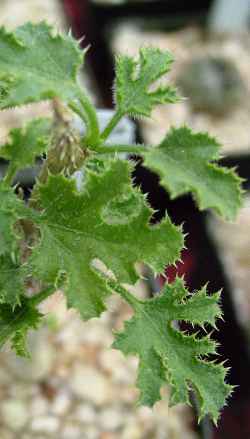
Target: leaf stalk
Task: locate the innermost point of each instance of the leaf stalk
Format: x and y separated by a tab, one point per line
131	149
125	294
93	132
38	298
111	124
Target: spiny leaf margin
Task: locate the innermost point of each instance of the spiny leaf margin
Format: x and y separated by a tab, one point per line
186	162
70	243
16	323
37	64
133	80
167	356
27	143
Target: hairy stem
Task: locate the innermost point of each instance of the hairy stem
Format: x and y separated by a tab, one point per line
39	297
111	125
125	294
131	149
93	133
79	111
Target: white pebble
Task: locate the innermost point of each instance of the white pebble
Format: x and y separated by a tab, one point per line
45	424
60	404
38	407
85	413
111	419
70	432
15	414
91	432
87	383
131	431
122	369
96	333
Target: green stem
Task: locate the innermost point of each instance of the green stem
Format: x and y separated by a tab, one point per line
74	107
111	124
131	149
38	298
89	116
10	174
93	132
125	294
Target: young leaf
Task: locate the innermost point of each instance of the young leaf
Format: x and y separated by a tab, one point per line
109	221
37	64
27	143
11	281
15	324
185	162
134	78
167	355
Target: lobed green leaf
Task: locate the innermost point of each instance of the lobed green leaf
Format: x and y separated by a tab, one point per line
185	162
27	143
133	94
11	281
168	356
15	324
108	221
37	64
11	210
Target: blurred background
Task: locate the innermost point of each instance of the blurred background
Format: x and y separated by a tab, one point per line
76	387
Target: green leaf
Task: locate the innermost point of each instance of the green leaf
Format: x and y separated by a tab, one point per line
15	324
36	64
167	355
27	143
11	276
133	93
11	209
185	162
11	281
108	221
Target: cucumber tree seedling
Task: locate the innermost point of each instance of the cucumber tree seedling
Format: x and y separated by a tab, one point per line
58	238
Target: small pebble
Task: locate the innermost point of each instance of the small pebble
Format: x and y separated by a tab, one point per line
71	432
38	407
91	432
116	364
61	403
96	333
111	419
88	383
14	414
85	413
132	431
45	424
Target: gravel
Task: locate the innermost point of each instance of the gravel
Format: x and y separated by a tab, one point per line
89	384
82	396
